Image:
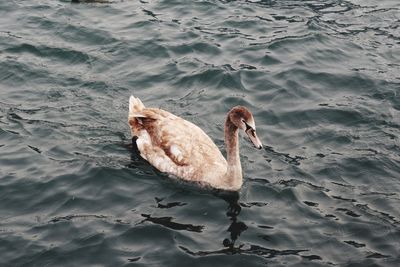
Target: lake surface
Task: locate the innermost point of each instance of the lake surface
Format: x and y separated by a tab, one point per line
322	79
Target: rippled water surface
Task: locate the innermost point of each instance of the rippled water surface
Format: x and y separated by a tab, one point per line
321	77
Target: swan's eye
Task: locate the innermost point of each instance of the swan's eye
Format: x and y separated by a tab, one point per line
248	127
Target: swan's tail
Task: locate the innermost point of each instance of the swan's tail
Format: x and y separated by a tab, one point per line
135	105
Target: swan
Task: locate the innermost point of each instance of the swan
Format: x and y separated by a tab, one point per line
179	148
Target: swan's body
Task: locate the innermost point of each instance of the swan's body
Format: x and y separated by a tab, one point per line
180	148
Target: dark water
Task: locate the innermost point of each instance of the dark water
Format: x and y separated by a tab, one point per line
321	77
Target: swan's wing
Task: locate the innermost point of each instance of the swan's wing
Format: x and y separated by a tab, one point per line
178	141
167	132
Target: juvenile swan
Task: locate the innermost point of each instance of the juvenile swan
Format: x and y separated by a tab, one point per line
180	148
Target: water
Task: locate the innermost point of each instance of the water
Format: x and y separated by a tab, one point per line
321	77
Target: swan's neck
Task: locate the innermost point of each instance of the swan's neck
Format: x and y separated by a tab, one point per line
233	175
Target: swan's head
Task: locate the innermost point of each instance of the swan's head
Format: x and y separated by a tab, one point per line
242	118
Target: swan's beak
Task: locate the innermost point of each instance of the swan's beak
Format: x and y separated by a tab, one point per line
254	138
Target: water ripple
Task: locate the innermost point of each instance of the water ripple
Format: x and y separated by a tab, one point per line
321	78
